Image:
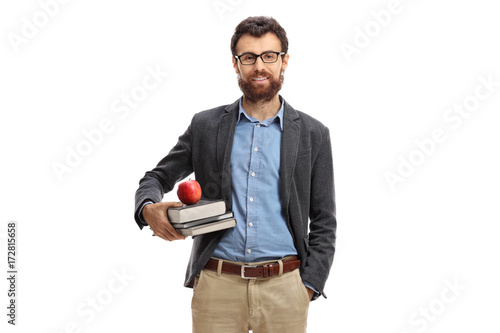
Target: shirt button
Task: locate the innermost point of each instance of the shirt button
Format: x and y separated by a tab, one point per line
255	149
258	125
249	251
253	174
251	199
250	224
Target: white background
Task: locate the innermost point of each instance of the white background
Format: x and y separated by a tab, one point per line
396	249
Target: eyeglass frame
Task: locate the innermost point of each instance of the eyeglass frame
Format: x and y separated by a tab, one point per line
259	56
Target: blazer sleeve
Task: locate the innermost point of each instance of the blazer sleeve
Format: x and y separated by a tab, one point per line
323	222
162	179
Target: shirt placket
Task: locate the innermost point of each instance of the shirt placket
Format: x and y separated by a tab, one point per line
252	193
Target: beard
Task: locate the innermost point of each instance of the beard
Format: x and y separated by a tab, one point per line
257	93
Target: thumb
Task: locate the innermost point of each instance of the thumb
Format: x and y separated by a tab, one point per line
173	204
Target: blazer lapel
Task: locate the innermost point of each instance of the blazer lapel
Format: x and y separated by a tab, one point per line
225	136
289	147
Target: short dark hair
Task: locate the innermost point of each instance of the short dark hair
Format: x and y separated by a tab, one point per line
257	26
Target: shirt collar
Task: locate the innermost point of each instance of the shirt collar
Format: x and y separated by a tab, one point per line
266	122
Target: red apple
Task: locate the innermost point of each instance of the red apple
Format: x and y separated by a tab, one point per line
189	192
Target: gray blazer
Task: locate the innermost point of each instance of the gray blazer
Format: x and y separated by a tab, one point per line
306	176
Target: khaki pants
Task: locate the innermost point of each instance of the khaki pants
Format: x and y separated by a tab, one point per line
226	303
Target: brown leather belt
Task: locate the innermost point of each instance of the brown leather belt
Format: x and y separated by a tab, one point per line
253	271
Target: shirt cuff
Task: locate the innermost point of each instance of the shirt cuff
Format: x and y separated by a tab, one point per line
141	218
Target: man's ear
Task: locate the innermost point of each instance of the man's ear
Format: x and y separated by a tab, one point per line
235	65
284	64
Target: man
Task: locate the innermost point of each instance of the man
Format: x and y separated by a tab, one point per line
273	167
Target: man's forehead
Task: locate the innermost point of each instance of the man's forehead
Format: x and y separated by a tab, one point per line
266	42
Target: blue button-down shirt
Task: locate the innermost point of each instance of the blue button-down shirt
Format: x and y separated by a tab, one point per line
261	232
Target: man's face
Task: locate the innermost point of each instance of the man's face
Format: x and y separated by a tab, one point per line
260	81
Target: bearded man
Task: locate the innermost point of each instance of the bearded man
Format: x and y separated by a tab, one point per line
273	167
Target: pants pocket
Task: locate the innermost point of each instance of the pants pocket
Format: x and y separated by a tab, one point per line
195	283
302	287
196	289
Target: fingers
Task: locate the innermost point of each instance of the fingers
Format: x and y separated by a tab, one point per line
170	233
174	235
169	236
161	225
165	231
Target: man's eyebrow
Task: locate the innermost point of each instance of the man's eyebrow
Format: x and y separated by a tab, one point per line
256	53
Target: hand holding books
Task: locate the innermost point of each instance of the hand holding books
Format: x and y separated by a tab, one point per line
197	216
156	217
194	217
200	218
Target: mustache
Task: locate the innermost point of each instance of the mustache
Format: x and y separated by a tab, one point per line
259	74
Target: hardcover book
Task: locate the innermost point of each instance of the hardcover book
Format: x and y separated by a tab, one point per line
208	227
195	223
200	210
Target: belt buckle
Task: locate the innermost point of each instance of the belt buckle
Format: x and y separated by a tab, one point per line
243	272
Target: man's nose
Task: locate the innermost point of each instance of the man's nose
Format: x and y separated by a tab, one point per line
259	64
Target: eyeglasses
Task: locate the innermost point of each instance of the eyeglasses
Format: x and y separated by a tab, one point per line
267	57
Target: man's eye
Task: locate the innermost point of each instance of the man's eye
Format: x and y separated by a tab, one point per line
269	56
248	57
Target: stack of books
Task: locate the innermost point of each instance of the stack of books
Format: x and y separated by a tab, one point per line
203	217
